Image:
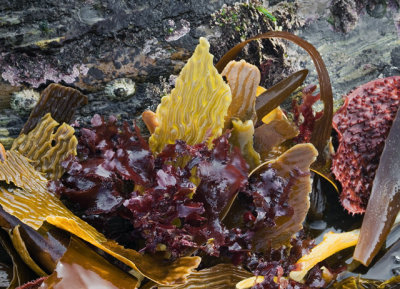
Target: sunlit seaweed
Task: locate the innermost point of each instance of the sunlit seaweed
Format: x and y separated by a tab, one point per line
33	205
294	166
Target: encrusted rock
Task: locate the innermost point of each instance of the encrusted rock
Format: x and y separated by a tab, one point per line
22	102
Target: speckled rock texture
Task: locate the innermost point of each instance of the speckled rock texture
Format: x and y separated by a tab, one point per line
87	44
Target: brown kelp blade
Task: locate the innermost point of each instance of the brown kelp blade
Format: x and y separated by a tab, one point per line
23	252
81	267
323	126
21	272
60	101
384	203
275	95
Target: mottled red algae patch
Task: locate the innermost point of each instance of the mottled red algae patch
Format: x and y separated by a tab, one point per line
363	123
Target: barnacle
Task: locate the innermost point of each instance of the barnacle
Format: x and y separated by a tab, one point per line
243	79
196	108
60	101
363	124
54	147
22	102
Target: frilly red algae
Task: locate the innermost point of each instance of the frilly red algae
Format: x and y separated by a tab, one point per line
60	101
384	202
363	124
305	109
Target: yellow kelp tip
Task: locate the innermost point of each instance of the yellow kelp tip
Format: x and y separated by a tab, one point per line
331	244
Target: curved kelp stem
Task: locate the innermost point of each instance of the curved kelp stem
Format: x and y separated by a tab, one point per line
384	203
276	94
323	125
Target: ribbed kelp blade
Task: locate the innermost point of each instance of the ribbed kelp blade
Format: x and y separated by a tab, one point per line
196	108
243	79
46	147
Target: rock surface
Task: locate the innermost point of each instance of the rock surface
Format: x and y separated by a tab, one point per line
88	44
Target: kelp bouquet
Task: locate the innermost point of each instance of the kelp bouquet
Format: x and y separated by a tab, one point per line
214	198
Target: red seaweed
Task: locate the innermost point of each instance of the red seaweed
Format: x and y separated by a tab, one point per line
363	124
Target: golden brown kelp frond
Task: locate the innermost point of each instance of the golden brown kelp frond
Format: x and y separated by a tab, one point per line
60	101
46	147
275	130
293	166
242	137
243	79
23	252
196	108
18	170
219	276
81	267
20	271
32	204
